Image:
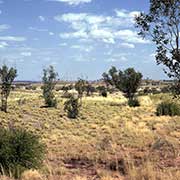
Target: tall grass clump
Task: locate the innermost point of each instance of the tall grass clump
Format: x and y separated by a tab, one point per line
168	108
20	150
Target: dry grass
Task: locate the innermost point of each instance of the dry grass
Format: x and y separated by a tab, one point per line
107	135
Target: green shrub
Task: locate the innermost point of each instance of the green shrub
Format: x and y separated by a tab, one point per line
104	93
71	106
168	108
133	103
19	150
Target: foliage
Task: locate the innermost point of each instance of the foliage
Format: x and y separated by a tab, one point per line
126	81
175	89
102	91
133	102
168	108
49	81
80	87
66	88
89	89
7	77
19	150
162	25
71	106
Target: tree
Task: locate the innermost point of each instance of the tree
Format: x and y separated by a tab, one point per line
126	81
71	106
7	77
49	82
162	25
80	87
89	89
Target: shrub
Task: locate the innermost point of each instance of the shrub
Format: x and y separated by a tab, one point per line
71	106
168	108
49	82
20	150
104	93
133	103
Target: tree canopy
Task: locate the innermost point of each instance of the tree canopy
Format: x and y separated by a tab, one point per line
162	24
126	81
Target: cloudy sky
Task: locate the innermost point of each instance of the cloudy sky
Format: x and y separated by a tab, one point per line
81	38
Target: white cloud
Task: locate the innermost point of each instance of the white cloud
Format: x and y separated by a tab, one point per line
26	54
73	2
126	14
82	48
77	34
153	55
128	45
130	36
41	18
37	29
51	33
63	44
3	44
107	29
117	59
12	38
4	27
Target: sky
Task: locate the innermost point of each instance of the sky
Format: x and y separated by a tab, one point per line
80	38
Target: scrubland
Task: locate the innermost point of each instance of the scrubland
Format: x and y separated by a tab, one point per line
108	141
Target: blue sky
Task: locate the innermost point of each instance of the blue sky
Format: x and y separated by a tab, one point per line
81	38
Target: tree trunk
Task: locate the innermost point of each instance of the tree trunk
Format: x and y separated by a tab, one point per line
4	103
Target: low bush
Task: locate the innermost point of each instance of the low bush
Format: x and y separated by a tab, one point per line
20	150
168	108
104	93
133	103
71	106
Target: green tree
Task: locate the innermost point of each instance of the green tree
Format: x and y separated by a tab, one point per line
71	106
49	82
80	87
7	76
126	81
162	25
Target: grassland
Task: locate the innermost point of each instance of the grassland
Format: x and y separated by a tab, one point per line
108	141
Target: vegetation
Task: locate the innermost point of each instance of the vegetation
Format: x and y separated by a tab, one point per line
133	103
168	108
126	81
102	91
106	136
80	87
89	89
49	81
19	150
7	77
162	25
71	106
